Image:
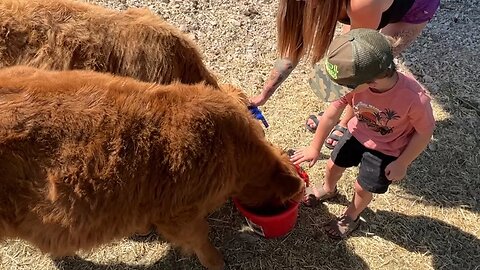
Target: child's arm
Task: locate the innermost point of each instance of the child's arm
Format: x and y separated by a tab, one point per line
397	170
328	120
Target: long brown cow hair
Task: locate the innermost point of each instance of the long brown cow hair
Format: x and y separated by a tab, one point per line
66	35
87	158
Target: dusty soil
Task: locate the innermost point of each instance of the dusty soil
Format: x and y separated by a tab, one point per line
429	221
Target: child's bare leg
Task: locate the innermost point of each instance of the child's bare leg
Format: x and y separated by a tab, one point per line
361	199
332	175
342	226
328	190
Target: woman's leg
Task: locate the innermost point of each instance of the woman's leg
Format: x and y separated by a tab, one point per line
412	24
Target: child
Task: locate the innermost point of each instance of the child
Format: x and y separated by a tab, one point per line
393	123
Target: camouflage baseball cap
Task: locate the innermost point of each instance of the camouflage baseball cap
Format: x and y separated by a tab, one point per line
352	59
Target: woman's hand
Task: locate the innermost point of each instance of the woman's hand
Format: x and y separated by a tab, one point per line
306	154
258	100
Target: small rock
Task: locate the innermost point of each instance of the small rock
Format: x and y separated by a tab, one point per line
250	12
249	238
260	80
235	22
427	79
183	28
192	36
199	34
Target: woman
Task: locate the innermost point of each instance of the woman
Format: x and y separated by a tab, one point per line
307	28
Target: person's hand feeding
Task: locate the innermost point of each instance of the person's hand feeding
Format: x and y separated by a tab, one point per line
258	100
309	154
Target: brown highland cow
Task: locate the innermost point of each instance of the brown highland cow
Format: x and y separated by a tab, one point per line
64	35
86	158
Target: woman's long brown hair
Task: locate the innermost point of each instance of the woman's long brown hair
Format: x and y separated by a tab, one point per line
306	27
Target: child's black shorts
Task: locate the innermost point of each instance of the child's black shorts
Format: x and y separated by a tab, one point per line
350	152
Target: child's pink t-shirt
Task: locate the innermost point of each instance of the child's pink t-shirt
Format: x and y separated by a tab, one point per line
386	121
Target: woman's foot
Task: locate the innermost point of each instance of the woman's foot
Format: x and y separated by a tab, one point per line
334	136
312	122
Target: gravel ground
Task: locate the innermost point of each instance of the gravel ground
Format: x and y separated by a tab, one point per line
430	221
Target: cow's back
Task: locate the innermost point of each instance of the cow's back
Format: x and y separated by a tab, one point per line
65	35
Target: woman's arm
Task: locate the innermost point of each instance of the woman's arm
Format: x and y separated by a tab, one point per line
281	70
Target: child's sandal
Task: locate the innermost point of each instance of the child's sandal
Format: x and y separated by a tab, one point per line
341	227
311	200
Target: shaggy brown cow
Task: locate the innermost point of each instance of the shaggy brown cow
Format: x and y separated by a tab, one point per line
64	35
86	158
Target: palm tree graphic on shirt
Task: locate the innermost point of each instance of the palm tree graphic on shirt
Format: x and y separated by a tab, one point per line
374	118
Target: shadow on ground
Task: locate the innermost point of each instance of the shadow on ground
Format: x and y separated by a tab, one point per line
449	246
240	245
447	174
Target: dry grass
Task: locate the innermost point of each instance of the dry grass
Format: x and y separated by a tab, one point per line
428	221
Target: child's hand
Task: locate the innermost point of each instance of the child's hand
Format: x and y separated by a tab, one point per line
306	154
396	171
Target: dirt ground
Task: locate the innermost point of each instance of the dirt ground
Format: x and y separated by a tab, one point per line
428	221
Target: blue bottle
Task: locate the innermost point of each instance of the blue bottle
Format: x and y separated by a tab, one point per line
258	114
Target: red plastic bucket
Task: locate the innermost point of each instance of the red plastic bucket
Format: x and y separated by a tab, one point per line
270	226
274	224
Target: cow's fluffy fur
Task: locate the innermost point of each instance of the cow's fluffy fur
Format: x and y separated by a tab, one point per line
65	35
86	158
